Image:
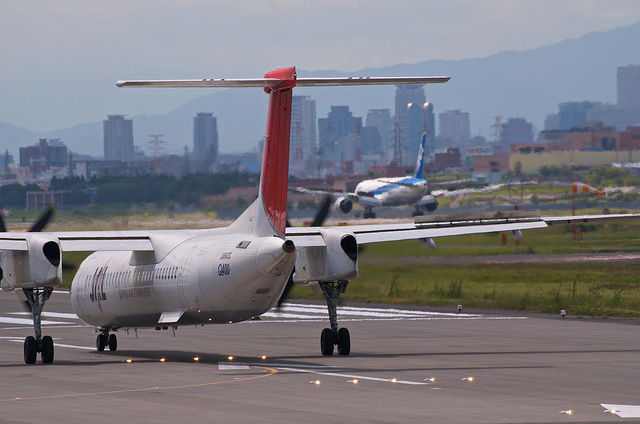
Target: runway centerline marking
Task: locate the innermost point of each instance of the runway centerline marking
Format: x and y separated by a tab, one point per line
272	371
356	377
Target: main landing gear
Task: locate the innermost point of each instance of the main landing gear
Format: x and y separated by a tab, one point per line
105	339
334	336
36	298
368	212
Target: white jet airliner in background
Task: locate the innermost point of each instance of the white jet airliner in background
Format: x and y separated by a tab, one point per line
399	191
161	279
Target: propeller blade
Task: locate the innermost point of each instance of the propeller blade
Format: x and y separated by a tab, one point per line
3	229
43	220
317	222
286	291
68	266
323	212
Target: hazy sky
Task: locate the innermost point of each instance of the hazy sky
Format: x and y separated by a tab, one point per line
59	59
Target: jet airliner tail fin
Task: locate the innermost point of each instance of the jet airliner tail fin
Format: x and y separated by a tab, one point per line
420	162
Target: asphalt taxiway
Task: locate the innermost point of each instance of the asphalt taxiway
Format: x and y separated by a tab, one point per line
407	364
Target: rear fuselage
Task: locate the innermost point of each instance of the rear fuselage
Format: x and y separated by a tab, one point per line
394	191
216	279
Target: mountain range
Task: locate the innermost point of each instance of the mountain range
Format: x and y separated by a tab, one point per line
525	84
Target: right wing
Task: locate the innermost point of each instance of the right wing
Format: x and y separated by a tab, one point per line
432	226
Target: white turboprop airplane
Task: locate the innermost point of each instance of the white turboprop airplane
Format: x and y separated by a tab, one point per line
161	279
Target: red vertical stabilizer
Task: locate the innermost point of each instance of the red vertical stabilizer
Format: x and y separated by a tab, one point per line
275	159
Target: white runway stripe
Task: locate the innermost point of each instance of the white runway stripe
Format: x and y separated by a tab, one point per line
29	321
297	312
49	314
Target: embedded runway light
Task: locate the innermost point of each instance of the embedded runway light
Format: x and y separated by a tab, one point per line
469	379
430	379
162	359
394	380
196	359
128	361
263	357
230	358
563	313
230	322
316	382
568	412
354	381
611	411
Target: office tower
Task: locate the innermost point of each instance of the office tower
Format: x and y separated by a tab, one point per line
454	125
205	137
118	138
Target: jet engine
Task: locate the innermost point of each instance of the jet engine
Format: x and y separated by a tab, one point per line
35	262
343	204
336	260
428	203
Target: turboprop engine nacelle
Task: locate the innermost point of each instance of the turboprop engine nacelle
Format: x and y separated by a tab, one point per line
343	204
336	261
37	263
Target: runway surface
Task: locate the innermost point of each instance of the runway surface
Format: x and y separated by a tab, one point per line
407	365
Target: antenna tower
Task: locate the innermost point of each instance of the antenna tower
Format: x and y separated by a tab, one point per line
157	147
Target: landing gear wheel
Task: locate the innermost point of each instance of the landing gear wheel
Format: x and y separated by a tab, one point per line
344	342
47	350
101	342
113	343
30	350
326	342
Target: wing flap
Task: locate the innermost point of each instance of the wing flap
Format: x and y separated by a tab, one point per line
10	242
562	220
376	235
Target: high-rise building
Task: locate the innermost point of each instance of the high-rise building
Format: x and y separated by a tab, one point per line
381	119
339	139
455	126
303	128
118	138
205	137
303	148
574	114
414	116
629	92
516	130
46	154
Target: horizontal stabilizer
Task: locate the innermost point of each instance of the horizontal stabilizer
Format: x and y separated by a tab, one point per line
273	82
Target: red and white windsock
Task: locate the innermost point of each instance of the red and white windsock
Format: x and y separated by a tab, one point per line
586	188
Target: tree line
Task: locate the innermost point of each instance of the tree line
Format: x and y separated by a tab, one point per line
142	189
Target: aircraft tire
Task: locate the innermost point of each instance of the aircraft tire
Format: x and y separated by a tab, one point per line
113	343
30	350
101	342
326	342
47	350
344	342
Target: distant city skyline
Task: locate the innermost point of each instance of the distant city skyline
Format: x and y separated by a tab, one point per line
60	62
65	95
